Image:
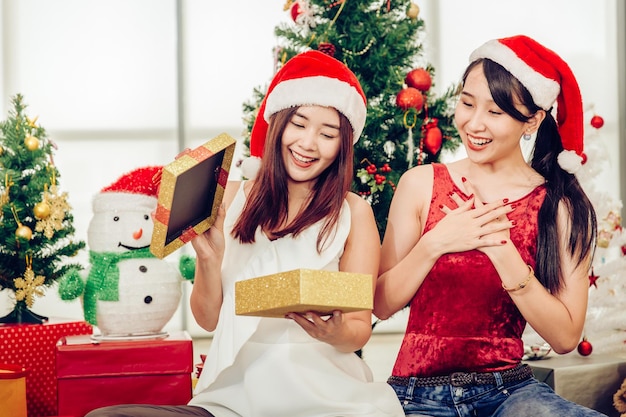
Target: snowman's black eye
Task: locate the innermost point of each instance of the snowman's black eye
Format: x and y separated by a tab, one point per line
148	299
116	218
146	217
143	268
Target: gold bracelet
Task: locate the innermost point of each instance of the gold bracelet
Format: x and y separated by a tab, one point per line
523	284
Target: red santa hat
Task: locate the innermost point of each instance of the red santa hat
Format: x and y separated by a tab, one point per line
548	79
138	189
309	78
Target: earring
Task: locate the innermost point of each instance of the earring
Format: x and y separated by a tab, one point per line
526	136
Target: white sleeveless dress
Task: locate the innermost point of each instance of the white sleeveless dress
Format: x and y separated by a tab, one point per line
270	367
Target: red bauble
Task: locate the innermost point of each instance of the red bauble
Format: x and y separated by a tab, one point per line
584	347
433	140
432	137
419	78
597	121
410	98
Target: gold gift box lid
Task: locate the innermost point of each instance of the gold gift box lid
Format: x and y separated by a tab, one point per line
303	290
190	192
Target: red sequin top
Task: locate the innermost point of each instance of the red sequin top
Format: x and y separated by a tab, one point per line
461	319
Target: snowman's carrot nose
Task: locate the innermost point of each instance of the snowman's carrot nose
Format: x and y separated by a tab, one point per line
137	234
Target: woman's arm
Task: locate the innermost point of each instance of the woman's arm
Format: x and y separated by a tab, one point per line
349	332
206	294
558	318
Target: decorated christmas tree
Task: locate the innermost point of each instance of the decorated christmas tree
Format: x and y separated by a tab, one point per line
382	43
36	228
605	325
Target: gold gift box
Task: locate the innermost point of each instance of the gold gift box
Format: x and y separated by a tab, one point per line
303	290
190	192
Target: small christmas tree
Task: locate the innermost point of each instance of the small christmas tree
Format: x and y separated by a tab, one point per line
381	42
36	223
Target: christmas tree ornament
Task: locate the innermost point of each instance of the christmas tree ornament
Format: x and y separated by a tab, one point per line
59	207
584	347
604	238
419	78
593	278
31	143
295	11
413	11
410	97
30	285
41	210
597	121
23	232
326	47
433	137
614	219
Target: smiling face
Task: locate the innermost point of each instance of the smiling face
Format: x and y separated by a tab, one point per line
310	142
488	133
122	223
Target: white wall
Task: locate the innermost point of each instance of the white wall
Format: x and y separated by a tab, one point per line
102	77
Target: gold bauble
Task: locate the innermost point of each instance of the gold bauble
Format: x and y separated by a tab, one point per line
604	238
413	11
41	210
23	232
32	143
1	150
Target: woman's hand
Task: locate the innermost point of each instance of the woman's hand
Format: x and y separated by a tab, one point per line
323	328
209	246
473	224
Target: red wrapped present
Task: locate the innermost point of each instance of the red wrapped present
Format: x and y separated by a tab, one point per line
92	374
33	347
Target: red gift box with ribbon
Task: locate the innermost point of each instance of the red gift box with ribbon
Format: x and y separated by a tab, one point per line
97	373
33	347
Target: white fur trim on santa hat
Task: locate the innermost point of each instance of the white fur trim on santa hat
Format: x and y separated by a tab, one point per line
543	90
320	91
114	201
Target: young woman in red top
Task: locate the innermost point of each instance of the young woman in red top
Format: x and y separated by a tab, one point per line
484	245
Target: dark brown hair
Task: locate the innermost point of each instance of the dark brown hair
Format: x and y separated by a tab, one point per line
267	202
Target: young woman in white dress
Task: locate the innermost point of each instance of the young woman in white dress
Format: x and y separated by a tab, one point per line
297	212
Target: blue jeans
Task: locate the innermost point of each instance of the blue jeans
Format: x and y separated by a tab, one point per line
528	398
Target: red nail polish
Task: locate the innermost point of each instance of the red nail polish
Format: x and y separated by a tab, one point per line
513	222
505	200
463	179
440	206
513	205
503	242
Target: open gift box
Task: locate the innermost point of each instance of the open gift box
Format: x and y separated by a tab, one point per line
302	290
190	192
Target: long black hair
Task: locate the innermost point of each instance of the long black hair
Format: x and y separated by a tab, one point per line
561	186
